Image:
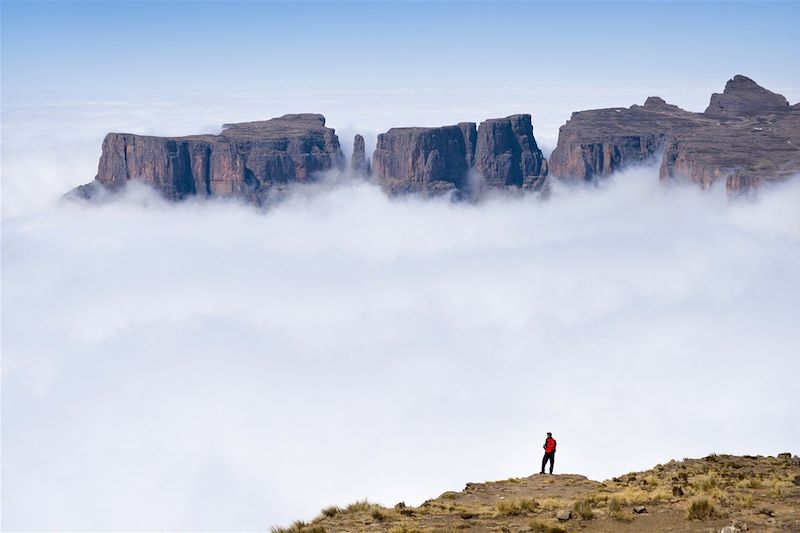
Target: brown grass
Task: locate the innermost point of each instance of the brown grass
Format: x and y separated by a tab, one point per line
550	504
542	526
583	508
701	508
298	526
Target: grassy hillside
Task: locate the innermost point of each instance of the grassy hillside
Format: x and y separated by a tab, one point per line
704	495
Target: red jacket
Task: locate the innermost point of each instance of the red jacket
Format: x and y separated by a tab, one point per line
550	445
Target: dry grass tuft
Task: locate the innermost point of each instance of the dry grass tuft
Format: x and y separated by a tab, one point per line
701	508
508	508
528	505
378	514
361	506
706	483
542	526
616	509
550	504
298	526
330	512
583	508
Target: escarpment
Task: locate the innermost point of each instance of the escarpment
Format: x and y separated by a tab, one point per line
500	153
746	136
248	160
422	160
507	154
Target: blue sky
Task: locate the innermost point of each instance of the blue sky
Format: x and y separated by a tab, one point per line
171	48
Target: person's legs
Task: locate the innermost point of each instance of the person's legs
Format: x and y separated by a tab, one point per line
548	456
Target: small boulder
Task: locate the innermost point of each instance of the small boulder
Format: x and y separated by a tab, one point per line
564	515
728	529
640	509
796	480
784	455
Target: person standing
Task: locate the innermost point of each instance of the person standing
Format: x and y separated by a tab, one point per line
549	452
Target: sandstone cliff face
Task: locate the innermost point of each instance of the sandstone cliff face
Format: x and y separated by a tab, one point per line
506	153
425	160
470	140
246	160
745	152
358	162
502	151
748	135
753	137
596	143
743	97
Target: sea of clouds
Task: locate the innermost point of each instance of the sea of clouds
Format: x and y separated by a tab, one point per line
210	365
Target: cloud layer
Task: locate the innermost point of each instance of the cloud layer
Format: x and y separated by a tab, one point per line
209	366
212	366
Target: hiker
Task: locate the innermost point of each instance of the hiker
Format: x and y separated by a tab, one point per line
549	451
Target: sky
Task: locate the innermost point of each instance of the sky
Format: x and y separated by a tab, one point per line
160	48
209	365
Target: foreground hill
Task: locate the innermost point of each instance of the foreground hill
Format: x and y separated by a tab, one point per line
720	493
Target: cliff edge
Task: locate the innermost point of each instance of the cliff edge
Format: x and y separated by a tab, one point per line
247	160
746	136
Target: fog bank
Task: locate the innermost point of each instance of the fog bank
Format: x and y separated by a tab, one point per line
211	366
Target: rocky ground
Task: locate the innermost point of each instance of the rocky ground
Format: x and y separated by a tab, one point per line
719	493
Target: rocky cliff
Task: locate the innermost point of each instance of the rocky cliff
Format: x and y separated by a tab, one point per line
502	151
358	162
425	160
747	135
247	160
506	153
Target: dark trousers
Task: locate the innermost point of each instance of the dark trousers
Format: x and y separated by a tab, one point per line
549	456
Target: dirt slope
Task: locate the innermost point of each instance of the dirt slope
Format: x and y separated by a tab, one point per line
694	495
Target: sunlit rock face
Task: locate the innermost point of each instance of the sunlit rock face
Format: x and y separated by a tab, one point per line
746	136
247	160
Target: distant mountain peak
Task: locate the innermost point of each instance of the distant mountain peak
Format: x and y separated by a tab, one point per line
743	97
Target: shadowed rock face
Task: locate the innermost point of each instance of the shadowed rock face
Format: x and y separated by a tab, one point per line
247	160
502	151
358	163
426	160
507	154
745	98
596	143
747	135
